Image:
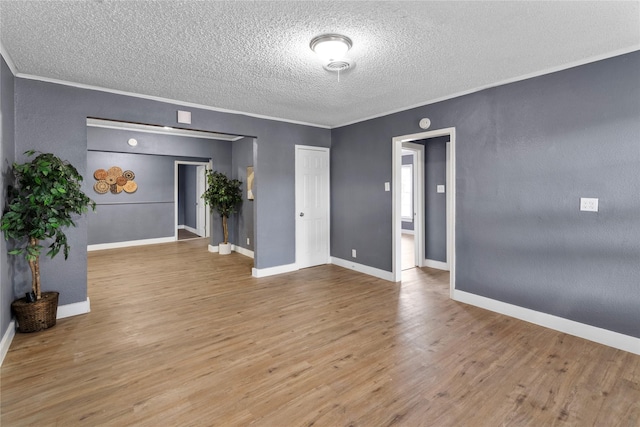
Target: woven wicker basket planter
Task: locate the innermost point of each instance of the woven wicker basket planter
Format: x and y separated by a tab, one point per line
36	316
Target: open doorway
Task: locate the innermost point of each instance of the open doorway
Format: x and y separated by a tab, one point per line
448	190
192	218
412	205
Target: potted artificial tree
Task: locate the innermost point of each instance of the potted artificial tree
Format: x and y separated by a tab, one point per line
43	201
224	195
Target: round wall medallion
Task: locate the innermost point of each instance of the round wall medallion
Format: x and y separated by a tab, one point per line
100	174
101	187
130	187
115	171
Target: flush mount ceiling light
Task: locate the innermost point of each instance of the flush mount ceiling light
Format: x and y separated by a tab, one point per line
332	48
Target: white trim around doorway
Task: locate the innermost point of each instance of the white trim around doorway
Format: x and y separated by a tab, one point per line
397	143
209	166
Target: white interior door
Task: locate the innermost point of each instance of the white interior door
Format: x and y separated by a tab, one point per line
201	216
312	206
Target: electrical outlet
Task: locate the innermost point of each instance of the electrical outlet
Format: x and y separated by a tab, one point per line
248	241
588	204
353	253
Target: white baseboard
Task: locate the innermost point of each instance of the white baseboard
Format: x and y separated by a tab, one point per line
73	309
115	245
404	231
588	332
190	229
272	271
180	226
242	251
371	271
436	264
234	248
6	340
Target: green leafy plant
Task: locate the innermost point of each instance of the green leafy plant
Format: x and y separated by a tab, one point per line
44	200
224	195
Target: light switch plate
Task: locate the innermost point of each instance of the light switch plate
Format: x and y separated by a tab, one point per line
353	253
588	204
387	186
440	189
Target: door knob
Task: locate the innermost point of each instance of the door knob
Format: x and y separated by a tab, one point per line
301	213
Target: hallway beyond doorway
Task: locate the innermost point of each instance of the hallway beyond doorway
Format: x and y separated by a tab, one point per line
408	252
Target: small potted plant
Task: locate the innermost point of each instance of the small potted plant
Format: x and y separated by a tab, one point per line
44	199
223	195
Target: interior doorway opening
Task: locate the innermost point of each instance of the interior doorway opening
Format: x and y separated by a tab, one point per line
399	143
412	205
192	218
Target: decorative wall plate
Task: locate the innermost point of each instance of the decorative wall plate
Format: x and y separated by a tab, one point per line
100	174
101	187
111	179
121	180
115	188
115	171
130	187
129	175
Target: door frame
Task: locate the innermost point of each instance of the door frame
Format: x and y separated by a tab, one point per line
328	177
418	199
396	218
207	215
201	187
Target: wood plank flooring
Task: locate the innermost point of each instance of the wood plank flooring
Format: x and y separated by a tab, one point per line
178	336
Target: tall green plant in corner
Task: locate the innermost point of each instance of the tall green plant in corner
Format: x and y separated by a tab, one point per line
43	201
224	195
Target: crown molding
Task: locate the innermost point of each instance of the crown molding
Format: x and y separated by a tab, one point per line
165	100
7	59
500	83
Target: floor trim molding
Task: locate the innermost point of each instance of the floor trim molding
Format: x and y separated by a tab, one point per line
581	330
7	338
272	271
115	245
371	271
73	309
242	251
234	248
436	264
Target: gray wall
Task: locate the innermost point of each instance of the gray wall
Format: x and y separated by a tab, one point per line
52	117
149	212
242	157
435	213
526	153
7	146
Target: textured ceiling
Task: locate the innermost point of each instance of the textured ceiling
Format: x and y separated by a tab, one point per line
254	57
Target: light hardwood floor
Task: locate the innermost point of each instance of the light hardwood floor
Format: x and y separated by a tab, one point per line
408	259
178	336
